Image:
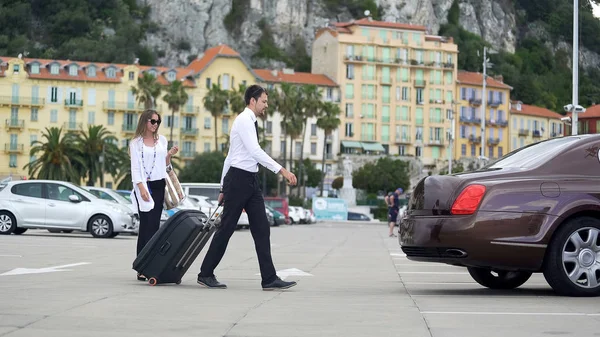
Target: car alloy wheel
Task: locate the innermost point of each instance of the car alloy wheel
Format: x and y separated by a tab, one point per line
581	257
7	223
572	265
101	226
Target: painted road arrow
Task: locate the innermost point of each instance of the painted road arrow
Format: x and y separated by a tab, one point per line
283	274
23	271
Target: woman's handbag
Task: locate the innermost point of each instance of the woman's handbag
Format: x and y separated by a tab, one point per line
173	192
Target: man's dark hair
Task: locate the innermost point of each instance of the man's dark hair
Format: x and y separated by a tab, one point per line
254	91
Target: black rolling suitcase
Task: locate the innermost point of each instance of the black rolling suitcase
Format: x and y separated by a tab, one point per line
175	246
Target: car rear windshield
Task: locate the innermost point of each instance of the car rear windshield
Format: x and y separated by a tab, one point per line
532	155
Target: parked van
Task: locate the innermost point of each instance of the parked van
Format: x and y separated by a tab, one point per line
210	190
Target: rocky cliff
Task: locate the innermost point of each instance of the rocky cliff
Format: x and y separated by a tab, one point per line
187	27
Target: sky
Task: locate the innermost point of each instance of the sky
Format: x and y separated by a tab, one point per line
596	8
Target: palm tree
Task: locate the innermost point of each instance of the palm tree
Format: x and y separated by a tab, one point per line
286	102
94	144
147	90
175	98
329	122
215	101
236	99
311	107
59	157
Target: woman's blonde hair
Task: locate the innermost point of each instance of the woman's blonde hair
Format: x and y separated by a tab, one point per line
143	123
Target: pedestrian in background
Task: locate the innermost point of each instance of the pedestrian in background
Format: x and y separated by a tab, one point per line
149	160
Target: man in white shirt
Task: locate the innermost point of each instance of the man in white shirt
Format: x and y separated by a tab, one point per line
240	190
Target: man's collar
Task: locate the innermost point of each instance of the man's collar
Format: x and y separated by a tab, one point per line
251	113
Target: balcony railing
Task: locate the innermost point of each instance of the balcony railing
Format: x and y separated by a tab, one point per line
420	83
189	131
22	101
474	139
15	123
493	141
385	80
436	120
129	128
475	101
328	155
437	101
523	132
436	142
537	133
73	126
188	154
123	106
403	140
13	148
190	109
74	102
494	103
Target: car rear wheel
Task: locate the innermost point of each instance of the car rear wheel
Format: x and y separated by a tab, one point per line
572	264
501	279
101	226
8	223
19	231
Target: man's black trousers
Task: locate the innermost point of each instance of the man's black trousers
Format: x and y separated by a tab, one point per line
241	191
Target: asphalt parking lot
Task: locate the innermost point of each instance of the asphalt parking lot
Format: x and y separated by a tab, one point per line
352	281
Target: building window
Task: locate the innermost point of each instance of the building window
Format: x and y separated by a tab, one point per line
349	130
110	73
111	118
35	68
53	116
313	129
73	70
54	69
418	151
350	71
313	148
91	71
206	147
225	80
131	75
269	127
208	83
207	122
91	117
349	110
225	126
34	114
16	69
13	160
171	76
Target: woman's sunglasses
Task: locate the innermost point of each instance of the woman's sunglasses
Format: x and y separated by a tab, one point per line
154	121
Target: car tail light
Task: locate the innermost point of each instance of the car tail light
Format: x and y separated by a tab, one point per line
468	200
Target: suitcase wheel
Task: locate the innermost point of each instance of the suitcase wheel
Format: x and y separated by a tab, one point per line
178	282
152	281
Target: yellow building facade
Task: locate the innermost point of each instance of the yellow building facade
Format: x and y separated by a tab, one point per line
397	85
530	124
469	114
71	95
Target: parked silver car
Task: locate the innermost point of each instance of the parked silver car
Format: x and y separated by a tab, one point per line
112	195
58	205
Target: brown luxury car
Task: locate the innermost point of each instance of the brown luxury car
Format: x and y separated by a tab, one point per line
537	209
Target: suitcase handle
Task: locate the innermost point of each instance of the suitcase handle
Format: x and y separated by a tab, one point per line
164	248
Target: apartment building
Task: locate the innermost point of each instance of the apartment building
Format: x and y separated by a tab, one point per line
531	124
397	84
468	107
314	138
588	122
71	94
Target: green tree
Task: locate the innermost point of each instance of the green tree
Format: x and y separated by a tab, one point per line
454	13
386	174
311	106
216	101
337	183
175	97
204	168
329	122
236	99
58	157
94	144
147	90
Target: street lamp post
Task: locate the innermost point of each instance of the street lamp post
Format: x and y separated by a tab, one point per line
574	126
451	136
486	64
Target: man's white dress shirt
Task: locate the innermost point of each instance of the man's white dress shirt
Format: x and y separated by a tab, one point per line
244	151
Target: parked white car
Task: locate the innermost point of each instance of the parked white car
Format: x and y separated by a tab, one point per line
112	195
58	205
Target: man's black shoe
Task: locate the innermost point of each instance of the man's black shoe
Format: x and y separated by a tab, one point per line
278	284
210	282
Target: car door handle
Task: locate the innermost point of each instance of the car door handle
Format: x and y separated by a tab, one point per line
51	204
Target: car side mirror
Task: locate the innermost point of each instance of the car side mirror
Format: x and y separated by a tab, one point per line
74	198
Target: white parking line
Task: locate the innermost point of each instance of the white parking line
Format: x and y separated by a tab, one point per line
1	255
508	313
434	272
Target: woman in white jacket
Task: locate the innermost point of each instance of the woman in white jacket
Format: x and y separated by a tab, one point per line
149	160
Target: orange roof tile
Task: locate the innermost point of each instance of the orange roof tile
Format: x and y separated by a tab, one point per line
209	55
297	77
63	73
591	112
471	78
532	110
343	26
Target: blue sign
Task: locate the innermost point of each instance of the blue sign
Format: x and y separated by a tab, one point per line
330	209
